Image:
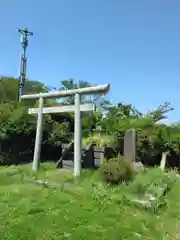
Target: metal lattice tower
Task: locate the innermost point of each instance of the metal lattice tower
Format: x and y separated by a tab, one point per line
24	42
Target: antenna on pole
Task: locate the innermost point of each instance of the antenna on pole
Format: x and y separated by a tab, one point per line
24	42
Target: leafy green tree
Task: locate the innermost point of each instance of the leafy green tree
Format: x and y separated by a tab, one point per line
70	84
17	128
9	88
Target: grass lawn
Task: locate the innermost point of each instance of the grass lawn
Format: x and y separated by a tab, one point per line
84	210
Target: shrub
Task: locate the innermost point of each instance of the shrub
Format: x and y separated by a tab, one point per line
153	181
116	171
100	140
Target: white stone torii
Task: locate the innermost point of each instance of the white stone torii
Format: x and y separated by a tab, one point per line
77	108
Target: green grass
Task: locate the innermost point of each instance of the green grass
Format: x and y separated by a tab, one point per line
83	210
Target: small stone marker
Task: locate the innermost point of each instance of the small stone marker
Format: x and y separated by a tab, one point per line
163	160
138	167
130	145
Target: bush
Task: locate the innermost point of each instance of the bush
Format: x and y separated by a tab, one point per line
116	171
153	181
18	131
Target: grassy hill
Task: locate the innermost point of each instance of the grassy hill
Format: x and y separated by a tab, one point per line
62	209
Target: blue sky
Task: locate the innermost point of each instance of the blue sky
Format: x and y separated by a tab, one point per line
132	44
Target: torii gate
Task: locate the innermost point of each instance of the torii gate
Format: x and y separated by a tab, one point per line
77	108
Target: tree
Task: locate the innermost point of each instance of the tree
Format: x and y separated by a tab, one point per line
88	118
160	112
9	88
71	84
109	120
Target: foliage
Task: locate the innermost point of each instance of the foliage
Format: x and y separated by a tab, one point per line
99	140
59	133
71	84
153	137
17	128
152	181
117	170
9	88
106	126
17	134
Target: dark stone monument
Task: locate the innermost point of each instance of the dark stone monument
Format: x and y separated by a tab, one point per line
88	157
130	145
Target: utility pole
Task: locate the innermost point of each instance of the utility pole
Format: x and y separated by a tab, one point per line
24	42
